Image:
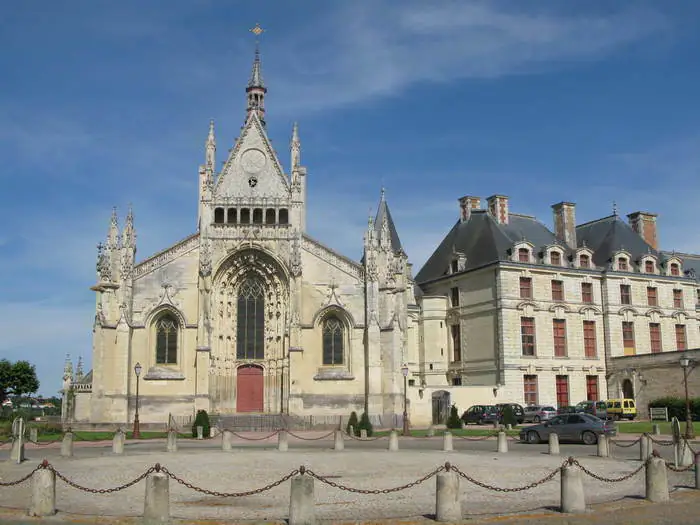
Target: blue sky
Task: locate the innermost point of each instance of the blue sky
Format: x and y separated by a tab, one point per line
107	103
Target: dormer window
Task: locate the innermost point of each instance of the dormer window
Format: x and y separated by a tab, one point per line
584	260
555	258
454	266
622	264
675	269
523	255
648	266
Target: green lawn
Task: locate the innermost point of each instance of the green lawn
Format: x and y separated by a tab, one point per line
638	427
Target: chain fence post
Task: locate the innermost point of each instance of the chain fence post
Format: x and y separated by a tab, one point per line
656	479
172	441
363	433
502	442
644	451
573	499
554	444
156	503
351	430
67	445
226	440
393	441
200	432
282	441
686	456
603	446
302	500
33	434
448	506
447	445
338	442
697	471
656	429
43	492
118	442
431	431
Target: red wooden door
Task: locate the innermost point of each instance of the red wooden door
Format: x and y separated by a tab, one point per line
249	389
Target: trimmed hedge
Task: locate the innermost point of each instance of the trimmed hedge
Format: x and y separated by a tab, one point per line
365	424
353	422
454	421
676	407
201	420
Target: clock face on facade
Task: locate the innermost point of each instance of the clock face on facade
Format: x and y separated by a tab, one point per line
252	182
253	161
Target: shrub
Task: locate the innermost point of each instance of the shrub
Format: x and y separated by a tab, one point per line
352	422
201	420
453	421
676	407
365	424
508	416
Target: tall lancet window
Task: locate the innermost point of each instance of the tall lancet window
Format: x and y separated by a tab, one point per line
332	341
250	328
166	340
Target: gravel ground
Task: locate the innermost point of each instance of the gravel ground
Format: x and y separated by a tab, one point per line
372	469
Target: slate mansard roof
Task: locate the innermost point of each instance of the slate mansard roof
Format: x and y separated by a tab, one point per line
484	241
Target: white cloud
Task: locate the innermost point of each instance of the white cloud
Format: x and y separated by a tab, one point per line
362	50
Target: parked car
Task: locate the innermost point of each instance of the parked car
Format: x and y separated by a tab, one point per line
567	410
621	408
595	408
480	414
581	427
518	411
538	413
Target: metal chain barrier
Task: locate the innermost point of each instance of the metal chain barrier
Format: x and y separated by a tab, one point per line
572	461
325	436
481	484
255	439
45	464
208	492
671	466
480	438
660	442
618	444
322	479
687	443
9	441
21	480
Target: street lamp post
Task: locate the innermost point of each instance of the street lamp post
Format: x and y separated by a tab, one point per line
689	430
404	371
137	430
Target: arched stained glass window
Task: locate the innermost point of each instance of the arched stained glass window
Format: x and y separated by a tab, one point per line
250	329
166	340
332	341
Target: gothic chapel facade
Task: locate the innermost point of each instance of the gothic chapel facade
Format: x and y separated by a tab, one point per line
250	314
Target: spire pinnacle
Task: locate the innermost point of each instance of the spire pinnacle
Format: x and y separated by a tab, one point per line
210	148
614	208
256	79
295	147
256	86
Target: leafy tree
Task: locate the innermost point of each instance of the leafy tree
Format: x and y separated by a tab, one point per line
365	424
454	420
17	379
509	416
352	422
201	420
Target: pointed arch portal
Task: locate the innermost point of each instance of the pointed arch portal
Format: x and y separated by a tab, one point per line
250	389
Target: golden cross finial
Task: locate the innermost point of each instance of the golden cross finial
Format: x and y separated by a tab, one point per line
257	30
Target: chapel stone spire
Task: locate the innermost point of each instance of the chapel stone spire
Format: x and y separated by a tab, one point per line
210	148
295	147
256	89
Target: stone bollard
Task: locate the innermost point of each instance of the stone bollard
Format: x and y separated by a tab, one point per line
431	431
118	442
363	433
393	441
172	441
686	455
448	506
644	451
226	438
338	443
43	493
697	471
33	434
17	453
656	429
351	430
301	500
282	441
502	442
554	444
603	446
509	427
447	445
67	445
573	499
200	432
656	480
156	505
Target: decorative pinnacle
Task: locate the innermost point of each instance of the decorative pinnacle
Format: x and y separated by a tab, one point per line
257	30
383	191
614	208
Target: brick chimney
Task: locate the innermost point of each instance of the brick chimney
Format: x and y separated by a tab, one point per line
466	205
498	208
644	223
565	222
